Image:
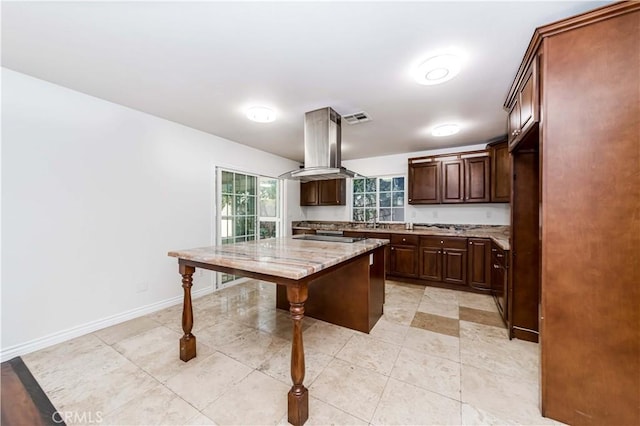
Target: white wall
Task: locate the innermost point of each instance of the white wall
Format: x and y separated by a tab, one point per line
94	194
487	214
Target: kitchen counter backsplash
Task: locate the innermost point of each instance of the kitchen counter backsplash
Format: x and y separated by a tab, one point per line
498	233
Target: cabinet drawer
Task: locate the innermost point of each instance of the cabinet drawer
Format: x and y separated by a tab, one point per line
455	243
403	239
498	256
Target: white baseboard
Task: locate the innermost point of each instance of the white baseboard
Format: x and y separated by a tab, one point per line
90	327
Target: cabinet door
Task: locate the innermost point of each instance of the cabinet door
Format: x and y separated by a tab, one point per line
479	267
309	193
332	192
527	100
453	181
403	261
477	188
513	123
431	263
499	289
424	183
454	266
500	176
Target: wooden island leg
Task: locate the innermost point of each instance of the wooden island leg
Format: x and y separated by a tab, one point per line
298	397
188	341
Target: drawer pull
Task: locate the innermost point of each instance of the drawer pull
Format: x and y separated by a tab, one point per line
495	266
494	250
499	255
470	243
441	242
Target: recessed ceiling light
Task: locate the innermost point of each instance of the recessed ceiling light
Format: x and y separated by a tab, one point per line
445	130
438	69
261	114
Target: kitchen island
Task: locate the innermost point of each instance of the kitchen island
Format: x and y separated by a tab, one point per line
344	283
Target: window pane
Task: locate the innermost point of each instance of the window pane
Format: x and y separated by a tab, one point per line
241	184
358	185
251	205
385	215
267	230
358	215
241	239
370	214
251	185
398	199
371	185
227	205
251	237
398	215
385	184
268	197
227	182
370	200
226	227
251	225
385	199
240	226
358	200
398	184
241	204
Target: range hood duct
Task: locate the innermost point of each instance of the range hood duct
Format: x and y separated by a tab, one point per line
322	144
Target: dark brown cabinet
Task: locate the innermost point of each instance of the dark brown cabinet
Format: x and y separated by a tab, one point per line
424	182
524	107
443	259
303	232
404	255
500	172
500	281
331	192
479	266
459	178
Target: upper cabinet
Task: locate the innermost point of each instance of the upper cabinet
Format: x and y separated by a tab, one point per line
330	192
457	178
500	172
524	110
424	182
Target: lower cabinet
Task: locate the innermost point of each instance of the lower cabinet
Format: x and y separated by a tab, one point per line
444	259
479	266
404	255
500	281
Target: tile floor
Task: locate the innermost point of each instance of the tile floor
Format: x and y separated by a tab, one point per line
436	357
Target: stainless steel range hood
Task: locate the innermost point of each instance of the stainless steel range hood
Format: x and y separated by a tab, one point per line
322	143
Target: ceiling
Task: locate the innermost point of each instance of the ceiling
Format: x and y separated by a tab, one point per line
202	63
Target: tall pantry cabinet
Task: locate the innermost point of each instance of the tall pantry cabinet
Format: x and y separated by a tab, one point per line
575	142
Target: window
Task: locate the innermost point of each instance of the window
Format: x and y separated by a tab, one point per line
379	199
249	209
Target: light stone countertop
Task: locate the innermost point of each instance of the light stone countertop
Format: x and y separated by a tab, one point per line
284	257
498	234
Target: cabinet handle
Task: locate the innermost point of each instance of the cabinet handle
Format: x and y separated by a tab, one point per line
409	199
516	132
494	250
470	243
404	239
499	255
445	252
393	248
441	242
496	266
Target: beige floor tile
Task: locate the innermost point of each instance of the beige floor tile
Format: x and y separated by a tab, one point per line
400	313
472	330
199	420
428	372
157	352
442	295
438	307
436	323
434	344
257	400
118	332
483	302
350	388
254	348
492	318
372	354
514	401
279	324
144	410
323	414
421	408
389	331
326	338
222	333
514	358
104	392
472	416
279	365
202	384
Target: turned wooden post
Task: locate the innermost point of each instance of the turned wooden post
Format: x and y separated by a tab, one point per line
298	397
188	341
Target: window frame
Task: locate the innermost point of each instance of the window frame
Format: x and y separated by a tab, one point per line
377	198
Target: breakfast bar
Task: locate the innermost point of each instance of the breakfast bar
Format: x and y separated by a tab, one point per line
343	280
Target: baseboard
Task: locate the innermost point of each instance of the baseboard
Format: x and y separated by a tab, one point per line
90	327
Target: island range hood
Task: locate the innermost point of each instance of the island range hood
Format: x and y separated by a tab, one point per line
322	143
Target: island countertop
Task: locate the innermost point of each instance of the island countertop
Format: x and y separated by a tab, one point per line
284	257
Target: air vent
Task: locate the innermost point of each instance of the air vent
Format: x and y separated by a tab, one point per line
358	117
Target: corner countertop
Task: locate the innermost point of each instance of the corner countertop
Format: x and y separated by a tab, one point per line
498	234
284	257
